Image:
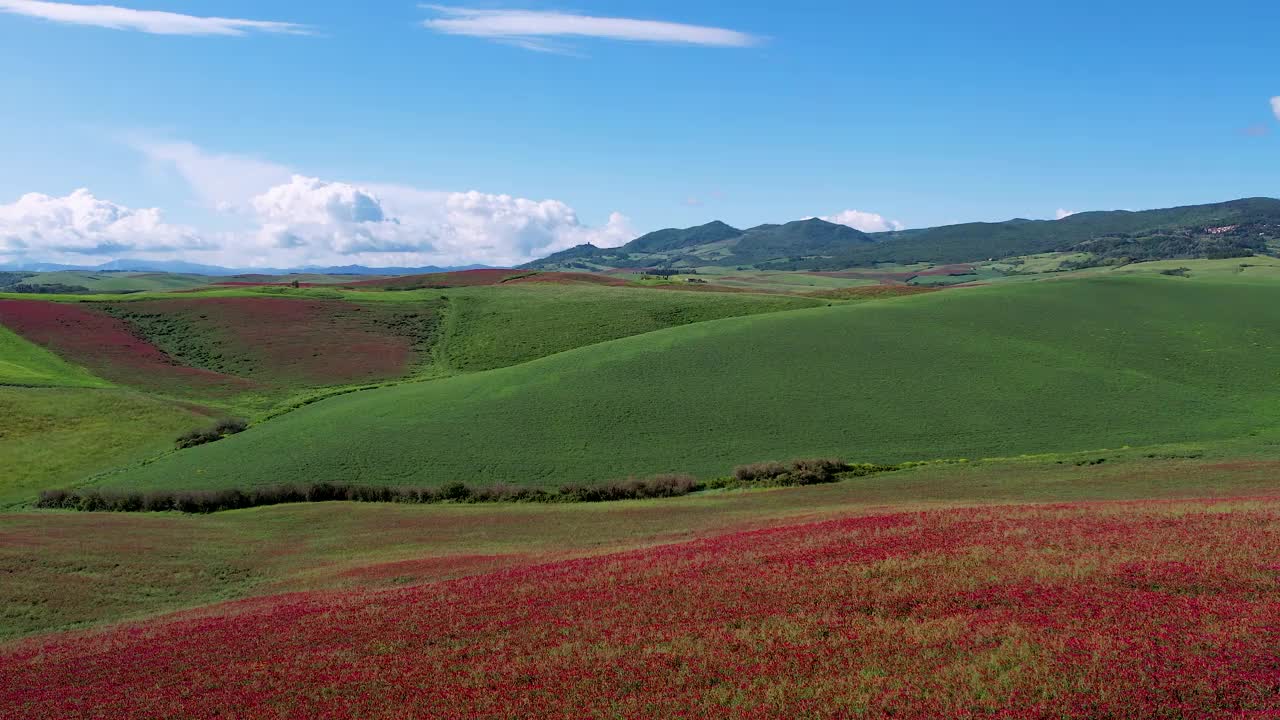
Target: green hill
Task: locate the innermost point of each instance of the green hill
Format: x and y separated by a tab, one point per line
1231	229
715	242
24	363
993	371
1236	228
58	435
673	239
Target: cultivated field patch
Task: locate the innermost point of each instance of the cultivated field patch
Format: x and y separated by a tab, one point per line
317	342
61	435
111	348
1069	611
460	278
27	364
969	374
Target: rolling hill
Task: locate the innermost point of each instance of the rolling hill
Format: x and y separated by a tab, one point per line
993	371
715	243
1230	229
129	375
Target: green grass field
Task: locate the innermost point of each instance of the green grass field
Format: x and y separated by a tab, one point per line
493	327
62	435
120	281
23	363
983	372
480	328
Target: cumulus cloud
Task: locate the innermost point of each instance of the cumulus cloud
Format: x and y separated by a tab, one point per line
46	227
1064	214
494	229
390	224
1275	106
531	28
147	21
292	219
864	221
311	214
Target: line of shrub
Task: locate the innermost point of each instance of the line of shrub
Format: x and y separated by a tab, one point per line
221	429
797	472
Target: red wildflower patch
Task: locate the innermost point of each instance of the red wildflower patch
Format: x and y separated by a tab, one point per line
1007	612
108	347
957	269
570	277
461	278
264	283
437	568
288	340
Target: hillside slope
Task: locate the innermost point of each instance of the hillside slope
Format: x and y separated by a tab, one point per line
715	242
992	371
1229	229
27	364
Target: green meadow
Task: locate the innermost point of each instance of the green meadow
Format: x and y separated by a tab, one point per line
24	363
979	372
60	436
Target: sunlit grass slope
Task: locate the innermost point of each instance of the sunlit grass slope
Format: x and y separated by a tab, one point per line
25	363
992	371
60	435
491	327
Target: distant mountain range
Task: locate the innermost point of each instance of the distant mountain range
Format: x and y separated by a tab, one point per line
1232	229
186	268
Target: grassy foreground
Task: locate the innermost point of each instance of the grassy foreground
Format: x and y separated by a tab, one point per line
71	570
983	372
1144	609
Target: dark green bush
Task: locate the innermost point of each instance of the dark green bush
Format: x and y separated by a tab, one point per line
797	472
221	429
758	472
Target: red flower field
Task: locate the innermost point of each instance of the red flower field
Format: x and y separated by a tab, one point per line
459	278
289	340
1122	610
108	347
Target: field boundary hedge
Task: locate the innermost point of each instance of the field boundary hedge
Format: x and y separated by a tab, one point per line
794	473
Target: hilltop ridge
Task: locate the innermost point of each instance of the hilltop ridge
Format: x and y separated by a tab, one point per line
1237	228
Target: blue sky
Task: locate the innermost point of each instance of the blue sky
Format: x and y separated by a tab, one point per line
395	133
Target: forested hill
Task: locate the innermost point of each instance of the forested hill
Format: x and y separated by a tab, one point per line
1229	229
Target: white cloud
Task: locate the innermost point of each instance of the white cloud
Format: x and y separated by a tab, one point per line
222	181
530	28
311	215
495	229
147	21
44	227
1275	106
291	220
864	221
1064	214
338	223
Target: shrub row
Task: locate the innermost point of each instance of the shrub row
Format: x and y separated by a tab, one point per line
223	428
658	486
208	501
797	472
